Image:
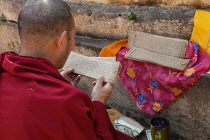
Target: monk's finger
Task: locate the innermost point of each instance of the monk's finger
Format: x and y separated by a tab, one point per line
94	83
107	85
99	81
77	79
72	75
66	72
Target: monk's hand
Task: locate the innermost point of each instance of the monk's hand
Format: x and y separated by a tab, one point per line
71	77
101	91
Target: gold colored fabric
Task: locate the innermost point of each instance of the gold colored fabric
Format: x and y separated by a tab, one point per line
201	30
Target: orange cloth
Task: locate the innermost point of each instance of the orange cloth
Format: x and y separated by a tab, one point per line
112	49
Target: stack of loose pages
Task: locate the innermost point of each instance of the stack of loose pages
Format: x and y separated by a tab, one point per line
165	51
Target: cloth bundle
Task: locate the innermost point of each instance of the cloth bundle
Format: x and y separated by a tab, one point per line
152	86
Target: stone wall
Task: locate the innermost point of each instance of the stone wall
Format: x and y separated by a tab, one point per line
111	22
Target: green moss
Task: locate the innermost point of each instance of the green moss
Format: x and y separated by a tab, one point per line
2	18
132	16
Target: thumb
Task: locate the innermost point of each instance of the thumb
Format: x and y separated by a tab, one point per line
66	72
99	81
108	86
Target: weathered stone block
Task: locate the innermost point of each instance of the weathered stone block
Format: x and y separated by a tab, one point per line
189	3
111	22
9	37
11	8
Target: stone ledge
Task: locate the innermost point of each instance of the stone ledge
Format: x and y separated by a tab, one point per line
163	3
160	3
92	42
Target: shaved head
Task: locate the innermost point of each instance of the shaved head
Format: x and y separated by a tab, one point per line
40	20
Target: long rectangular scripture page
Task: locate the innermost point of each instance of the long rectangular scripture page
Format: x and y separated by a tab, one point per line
160	59
93	67
158	44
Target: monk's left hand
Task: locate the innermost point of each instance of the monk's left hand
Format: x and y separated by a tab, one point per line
71	77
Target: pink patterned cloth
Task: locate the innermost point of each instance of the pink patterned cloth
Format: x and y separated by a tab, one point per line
153	87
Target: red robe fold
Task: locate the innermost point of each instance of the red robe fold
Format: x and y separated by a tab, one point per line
37	103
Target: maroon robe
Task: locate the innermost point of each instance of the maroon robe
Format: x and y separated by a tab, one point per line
37	103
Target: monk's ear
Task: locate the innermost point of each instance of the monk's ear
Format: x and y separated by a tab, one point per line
62	39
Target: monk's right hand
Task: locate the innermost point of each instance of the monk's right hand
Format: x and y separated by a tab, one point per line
71	77
101	92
